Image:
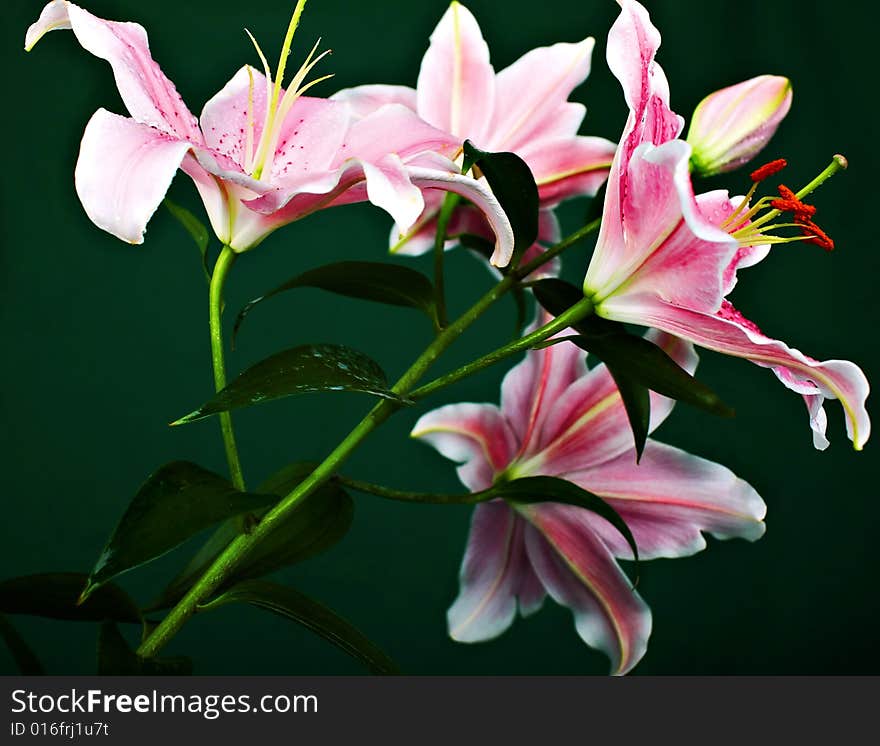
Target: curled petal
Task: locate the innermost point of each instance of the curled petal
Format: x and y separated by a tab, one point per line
494	573
730	333
579	572
474	435
669	499
456	85
530	104
389	187
148	95
731	126
479	193
123	171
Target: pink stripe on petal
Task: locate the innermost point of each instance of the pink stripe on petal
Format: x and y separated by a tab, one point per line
578	571
669	499
493	572
730	333
474	435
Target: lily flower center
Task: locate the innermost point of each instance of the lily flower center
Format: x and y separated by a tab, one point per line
259	156
753	225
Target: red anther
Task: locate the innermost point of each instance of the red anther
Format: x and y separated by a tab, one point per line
790	203
769	169
817	235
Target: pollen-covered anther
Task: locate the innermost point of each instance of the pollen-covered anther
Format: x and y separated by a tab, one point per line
816	235
768	170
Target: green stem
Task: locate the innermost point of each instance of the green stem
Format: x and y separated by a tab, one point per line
450	202
218	280
239	547
468	498
563	321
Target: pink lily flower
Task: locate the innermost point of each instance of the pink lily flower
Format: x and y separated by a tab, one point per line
260	156
667	259
522	109
558	419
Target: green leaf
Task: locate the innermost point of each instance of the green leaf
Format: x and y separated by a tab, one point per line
531	490
318	523
514	185
27	662
635	357
390	284
319	367
196	230
312	615
637	403
176	502
116	658
55	595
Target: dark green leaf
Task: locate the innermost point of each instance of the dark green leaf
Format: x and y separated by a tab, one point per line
312	615
635	357
319	522
175	503
116	658
55	595
27	662
319	367
530	490
514	185
637	403
196	230
391	284
478	244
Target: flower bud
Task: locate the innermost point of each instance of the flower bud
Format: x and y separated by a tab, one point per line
731	126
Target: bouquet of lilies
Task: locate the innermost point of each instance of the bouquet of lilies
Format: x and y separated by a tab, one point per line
563	474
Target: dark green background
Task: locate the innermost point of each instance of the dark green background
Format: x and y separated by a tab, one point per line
104	343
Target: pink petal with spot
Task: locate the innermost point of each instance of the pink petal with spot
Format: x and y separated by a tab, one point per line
147	93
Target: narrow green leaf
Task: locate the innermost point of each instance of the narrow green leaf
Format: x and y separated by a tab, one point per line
312	615
55	595
25	658
116	658
379	282
637	403
637	358
196	229
176	502
531	490
318	523
514	185
319	367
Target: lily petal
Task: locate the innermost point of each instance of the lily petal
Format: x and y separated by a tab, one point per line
456	84
389	187
147	94
669	499
494	572
531	100
475	435
568	167
587	425
365	99
579	572
731	333
123	172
